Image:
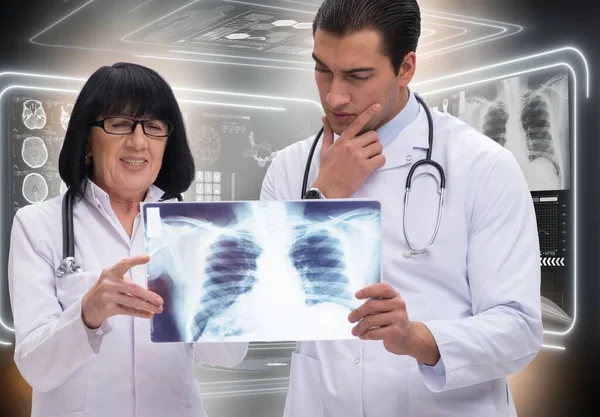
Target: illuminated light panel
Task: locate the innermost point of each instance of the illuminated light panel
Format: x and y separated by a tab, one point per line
241	57
503	30
137	7
233	105
222	62
426	33
575	137
79	79
196	1
462	31
244	386
553	347
513	61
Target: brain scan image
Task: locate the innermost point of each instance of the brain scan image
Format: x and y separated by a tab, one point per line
206	145
34	152
34	115
35	188
65	115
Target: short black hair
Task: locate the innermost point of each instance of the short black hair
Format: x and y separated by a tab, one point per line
397	21
130	90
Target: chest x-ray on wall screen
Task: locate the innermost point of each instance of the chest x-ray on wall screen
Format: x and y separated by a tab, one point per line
527	114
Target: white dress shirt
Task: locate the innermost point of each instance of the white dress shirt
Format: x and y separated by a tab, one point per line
115	370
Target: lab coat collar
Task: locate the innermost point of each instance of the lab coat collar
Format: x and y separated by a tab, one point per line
97	195
389	131
401	151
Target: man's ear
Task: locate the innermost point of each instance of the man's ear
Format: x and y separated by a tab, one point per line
407	69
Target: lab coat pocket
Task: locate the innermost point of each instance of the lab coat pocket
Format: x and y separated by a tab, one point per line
66	400
305	389
72	288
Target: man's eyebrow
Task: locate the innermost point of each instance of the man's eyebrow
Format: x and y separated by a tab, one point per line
318	60
349	71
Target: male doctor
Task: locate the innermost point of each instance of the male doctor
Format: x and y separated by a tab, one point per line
443	330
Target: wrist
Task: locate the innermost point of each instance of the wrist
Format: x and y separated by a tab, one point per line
423	346
329	191
90	322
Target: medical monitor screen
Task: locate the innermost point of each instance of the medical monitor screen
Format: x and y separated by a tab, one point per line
528	115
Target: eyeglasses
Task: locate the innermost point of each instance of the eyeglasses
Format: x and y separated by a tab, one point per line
126	126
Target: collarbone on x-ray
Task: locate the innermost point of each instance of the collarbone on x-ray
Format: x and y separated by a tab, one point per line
269	275
533	124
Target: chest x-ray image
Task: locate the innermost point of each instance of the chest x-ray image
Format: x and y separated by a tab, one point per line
529	117
260	271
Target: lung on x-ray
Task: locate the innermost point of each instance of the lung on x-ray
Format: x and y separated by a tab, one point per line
528	115
260	271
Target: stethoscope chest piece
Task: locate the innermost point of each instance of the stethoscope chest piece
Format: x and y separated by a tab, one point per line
68	266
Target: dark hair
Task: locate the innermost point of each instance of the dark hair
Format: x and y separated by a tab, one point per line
397	21
129	90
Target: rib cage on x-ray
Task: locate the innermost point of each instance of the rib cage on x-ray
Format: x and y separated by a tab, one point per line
533	123
235	279
230	271
319	260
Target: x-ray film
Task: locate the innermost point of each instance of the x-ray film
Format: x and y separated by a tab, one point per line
260	271
528	115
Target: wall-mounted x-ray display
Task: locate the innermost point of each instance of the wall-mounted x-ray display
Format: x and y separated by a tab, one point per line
36	124
531	115
260	271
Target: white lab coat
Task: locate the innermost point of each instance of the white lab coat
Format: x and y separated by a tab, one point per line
478	291
116	370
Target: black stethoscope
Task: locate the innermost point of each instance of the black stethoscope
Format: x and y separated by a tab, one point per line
409	180
69	265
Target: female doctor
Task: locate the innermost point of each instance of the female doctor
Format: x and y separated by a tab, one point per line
446	326
83	340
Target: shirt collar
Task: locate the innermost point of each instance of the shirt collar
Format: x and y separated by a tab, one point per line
389	131
97	195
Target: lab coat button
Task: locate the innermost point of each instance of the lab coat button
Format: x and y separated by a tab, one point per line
356	360
408	158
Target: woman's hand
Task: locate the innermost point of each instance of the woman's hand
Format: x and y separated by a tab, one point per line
116	294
